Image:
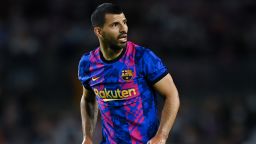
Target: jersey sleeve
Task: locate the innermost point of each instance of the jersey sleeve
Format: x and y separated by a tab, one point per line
153	67
83	71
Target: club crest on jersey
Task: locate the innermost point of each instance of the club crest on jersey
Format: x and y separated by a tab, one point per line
127	74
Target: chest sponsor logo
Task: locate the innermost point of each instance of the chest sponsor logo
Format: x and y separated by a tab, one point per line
115	94
127	75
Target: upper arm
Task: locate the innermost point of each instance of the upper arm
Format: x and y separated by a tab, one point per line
166	87
157	75
152	67
88	104
83	71
88	95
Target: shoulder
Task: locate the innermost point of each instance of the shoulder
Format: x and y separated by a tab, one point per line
84	60
144	52
87	57
140	50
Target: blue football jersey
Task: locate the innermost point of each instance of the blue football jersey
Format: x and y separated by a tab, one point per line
124	92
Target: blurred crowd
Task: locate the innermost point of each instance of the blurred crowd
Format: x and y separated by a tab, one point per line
209	47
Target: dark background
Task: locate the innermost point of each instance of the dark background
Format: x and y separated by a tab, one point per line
209	47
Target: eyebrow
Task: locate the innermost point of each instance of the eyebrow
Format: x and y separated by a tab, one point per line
117	21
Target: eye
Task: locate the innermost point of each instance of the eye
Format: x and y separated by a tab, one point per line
125	21
115	24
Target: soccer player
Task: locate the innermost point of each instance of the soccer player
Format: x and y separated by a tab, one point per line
121	79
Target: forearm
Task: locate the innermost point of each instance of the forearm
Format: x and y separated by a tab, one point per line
89	113
169	112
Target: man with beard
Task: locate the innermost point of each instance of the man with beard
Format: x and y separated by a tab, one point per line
121	79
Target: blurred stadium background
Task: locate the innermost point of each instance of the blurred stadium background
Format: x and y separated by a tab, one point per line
209	47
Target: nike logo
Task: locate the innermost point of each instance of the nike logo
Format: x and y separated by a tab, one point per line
95	78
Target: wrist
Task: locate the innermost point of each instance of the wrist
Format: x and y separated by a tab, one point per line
162	135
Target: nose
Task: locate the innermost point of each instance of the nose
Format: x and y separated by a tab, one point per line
123	28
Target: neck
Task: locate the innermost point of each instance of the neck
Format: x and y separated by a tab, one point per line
108	52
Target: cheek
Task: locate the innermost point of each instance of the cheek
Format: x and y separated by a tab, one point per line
110	34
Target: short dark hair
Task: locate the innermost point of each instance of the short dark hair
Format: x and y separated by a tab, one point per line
98	16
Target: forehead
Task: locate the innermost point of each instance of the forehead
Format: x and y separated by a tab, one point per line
110	18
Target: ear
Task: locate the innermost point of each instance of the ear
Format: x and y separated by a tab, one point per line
98	31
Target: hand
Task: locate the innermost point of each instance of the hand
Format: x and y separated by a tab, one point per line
157	140
87	141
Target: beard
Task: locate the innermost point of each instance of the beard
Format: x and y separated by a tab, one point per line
113	43
116	46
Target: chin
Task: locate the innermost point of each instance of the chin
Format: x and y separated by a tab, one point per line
117	45
123	44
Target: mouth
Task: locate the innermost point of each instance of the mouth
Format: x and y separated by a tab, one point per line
123	38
